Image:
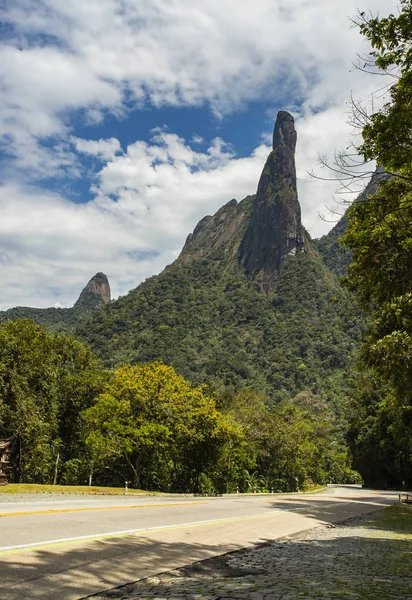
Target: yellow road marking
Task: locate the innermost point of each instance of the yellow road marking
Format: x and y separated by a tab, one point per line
138	532
146	531
69	510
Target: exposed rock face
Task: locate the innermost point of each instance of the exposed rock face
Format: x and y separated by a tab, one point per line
219	236
95	294
275	229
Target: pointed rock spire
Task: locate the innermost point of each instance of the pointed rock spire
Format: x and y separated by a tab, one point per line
275	229
96	293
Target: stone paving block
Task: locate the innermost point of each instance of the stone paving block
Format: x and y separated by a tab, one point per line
348	562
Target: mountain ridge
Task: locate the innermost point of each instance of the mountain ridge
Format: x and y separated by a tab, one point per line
93	296
243	304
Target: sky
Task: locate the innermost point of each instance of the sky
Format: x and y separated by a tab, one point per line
124	122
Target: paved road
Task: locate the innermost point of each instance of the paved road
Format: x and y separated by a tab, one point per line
68	548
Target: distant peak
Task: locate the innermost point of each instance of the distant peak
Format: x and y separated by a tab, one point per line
284	133
275	230
96	293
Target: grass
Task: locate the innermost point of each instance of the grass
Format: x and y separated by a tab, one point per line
393	522
35	488
309	489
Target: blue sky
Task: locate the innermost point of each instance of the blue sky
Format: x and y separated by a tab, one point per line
242	130
124	122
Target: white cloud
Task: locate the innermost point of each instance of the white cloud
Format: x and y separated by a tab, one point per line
103	149
146	202
161	190
87	55
102	56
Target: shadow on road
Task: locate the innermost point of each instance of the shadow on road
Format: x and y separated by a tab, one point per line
108	561
365	560
103	564
328	509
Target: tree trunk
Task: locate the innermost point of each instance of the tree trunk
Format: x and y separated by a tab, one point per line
56	468
91	472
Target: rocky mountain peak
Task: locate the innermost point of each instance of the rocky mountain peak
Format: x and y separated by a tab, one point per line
284	133
95	294
275	229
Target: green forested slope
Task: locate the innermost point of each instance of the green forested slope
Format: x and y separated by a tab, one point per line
249	302
53	319
93	296
214	325
336	256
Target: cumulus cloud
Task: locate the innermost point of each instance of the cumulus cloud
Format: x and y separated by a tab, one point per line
103	149
94	55
101	57
146	203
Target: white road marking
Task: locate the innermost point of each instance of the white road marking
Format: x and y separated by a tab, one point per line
132	531
157	527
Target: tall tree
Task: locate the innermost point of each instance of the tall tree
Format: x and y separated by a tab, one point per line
45	380
153	419
380	237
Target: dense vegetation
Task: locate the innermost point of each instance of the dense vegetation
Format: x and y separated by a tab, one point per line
61	320
72	422
380	238
211	325
46	380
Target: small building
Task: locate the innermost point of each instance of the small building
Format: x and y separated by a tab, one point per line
5	449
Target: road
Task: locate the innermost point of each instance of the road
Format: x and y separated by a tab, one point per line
70	548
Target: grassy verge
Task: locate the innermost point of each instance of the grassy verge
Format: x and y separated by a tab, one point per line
35	488
392	522
310	489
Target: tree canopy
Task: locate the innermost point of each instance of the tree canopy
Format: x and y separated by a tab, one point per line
380	237
155	421
46	380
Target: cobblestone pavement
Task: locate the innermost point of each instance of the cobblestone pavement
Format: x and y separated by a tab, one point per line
364	559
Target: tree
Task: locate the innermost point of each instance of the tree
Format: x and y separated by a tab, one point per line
154	420
45	380
387	134
380	237
286	446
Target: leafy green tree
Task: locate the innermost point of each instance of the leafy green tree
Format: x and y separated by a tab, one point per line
380	237
287	446
386	135
151	417
378	433
45	380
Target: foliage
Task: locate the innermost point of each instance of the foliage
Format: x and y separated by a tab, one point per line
379	236
53	319
70	420
288	446
45	381
379	433
213	324
387	135
151	417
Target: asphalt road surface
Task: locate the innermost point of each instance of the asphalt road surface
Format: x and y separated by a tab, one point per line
68	548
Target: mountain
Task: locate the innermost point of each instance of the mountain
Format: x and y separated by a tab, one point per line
334	255
275	229
92	298
95	295
249	301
